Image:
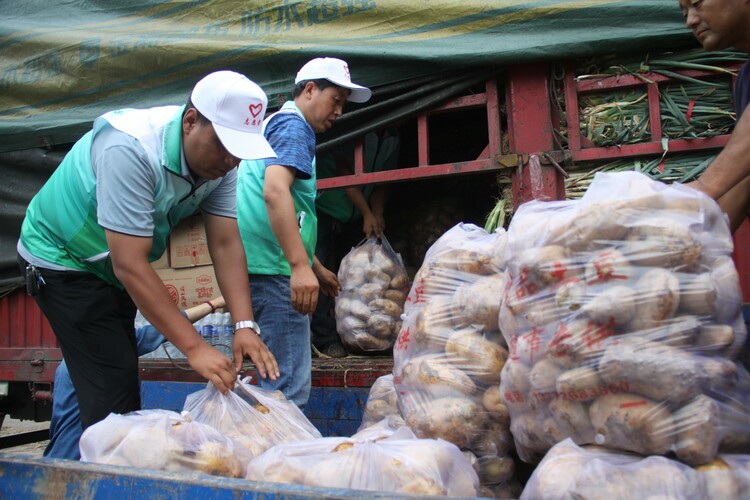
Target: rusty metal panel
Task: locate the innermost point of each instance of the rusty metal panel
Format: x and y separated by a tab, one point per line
22	323
343	372
530	129
28	347
487	160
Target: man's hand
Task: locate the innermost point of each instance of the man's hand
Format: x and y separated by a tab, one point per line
213	366
329	282
304	287
248	344
370	225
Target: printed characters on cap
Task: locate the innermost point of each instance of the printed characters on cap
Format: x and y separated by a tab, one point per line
235	106
335	71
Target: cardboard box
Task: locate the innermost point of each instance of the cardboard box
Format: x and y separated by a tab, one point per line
187	244
190	286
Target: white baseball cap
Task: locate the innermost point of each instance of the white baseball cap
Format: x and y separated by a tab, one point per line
335	71
236	107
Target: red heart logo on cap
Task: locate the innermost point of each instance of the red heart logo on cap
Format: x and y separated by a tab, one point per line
255	109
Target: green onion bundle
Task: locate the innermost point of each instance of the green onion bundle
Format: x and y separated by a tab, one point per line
665	64
615	118
677	168
690	110
497	215
689	107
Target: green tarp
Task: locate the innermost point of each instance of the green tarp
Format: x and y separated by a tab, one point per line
64	62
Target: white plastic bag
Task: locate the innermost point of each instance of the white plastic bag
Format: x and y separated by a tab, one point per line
163	440
382	403
256	418
569	471
400	464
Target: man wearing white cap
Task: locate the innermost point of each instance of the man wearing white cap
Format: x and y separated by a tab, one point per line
278	224
106	212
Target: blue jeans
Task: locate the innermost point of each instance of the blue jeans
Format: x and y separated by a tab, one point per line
286	332
65	427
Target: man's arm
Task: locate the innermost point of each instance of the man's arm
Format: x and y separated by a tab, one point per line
283	219
736	203
228	257
130	263
731	166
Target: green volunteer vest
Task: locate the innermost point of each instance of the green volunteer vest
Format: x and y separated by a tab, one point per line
61	223
262	250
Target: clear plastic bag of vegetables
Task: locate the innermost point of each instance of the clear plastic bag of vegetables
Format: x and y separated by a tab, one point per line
726	477
254	417
374	283
382	402
163	440
450	352
622	313
400	463
569	471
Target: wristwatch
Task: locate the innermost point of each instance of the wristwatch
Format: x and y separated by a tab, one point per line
248	323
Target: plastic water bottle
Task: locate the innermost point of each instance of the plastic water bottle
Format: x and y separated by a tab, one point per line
226	333
207	329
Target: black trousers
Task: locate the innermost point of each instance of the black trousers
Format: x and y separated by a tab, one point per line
93	322
323	321
335	240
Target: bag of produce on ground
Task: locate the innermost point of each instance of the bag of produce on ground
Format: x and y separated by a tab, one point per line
381	429
163	440
569	471
374	283
382	402
256	418
399	464
450	352
622	313
726	477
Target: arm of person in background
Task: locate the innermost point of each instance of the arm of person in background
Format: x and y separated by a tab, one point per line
195	313
378	199
726	178
228	257
329	282
148	338
131	266
283	219
371	225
